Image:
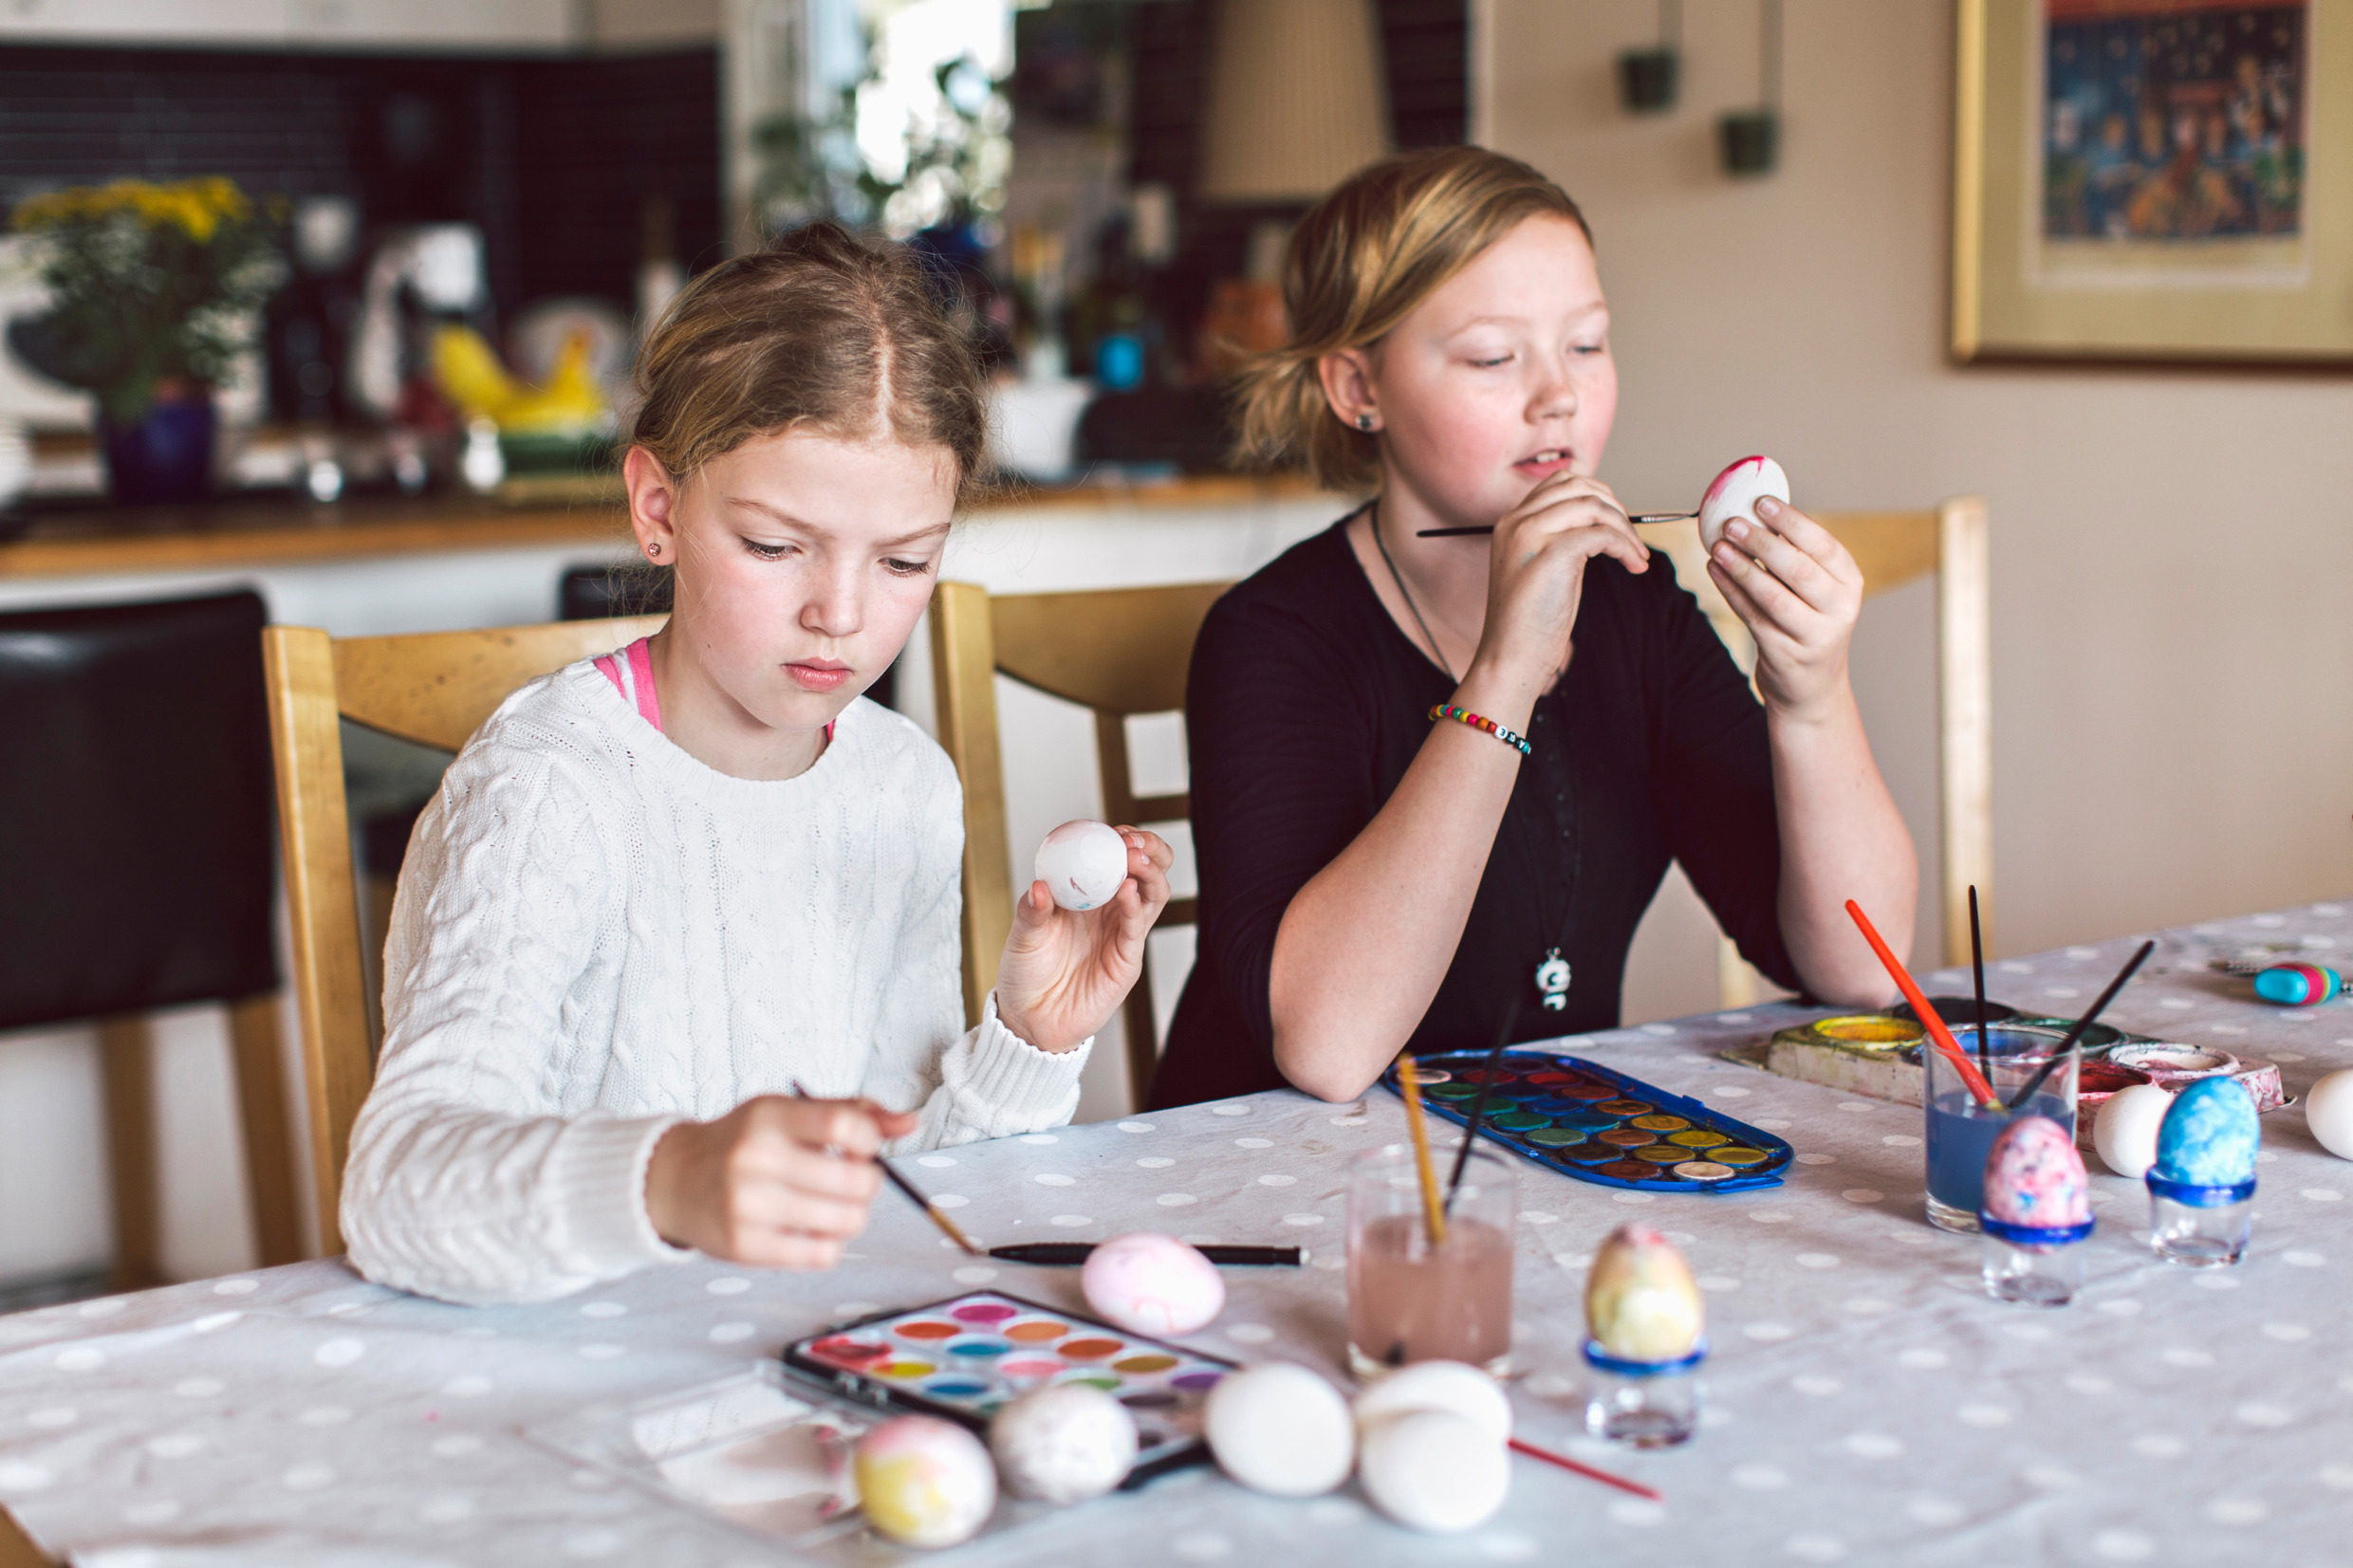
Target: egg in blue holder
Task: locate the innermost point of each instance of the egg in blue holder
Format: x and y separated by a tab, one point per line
1642	1404
2037	1207
2202	1187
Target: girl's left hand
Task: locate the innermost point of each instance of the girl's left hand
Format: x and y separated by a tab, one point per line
1799	591
1066	971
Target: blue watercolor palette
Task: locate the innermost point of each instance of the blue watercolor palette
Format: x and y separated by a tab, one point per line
1584	1120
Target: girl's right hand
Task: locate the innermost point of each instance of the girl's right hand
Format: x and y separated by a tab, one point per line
777	1182
1536	575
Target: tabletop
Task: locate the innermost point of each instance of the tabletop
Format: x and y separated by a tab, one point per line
1865	1400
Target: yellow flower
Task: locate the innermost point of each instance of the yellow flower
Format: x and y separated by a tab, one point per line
197	207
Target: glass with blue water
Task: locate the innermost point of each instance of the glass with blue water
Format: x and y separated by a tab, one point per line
1962	1132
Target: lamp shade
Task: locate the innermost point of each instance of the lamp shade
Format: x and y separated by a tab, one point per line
1296	100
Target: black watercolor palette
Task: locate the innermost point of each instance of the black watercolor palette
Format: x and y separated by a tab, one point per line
1584	1120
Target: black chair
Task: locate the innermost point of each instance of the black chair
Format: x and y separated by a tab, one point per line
135	851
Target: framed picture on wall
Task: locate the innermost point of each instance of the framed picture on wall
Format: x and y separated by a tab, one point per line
2154	180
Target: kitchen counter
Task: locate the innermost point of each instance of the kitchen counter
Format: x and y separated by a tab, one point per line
244	532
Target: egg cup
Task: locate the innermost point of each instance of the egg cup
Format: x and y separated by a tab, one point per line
2200	1226
1642	1404
2032	1266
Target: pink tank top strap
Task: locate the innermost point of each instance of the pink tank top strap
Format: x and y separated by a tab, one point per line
631	670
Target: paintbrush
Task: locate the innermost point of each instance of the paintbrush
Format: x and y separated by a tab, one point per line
2067	1046
1432	1210
1490	527
1941	1037
1478	1106
1518	1446
1976	967
947	1228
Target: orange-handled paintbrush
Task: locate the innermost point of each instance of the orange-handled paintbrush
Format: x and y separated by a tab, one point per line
1970	1079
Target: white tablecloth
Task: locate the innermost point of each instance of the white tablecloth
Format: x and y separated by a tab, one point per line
1866	1401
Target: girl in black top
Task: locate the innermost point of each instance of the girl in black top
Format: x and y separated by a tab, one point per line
1375	880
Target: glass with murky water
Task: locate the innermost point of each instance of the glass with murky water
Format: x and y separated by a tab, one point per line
1410	1300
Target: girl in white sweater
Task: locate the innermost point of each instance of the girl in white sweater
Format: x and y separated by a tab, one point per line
664	895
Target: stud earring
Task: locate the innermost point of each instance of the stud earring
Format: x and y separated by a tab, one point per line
1365	423
654	551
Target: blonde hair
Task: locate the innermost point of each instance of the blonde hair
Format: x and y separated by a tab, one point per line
822	329
1374	247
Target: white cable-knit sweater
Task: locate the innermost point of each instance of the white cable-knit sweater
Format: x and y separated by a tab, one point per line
597	936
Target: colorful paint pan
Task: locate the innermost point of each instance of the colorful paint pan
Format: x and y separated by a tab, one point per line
966	1357
1599	1125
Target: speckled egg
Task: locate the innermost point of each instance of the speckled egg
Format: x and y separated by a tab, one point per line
2210	1136
1062	1443
2033	1177
1150	1283
924	1482
1082	864
1641	1303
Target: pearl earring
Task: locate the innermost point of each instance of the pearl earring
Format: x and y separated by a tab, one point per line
1365	423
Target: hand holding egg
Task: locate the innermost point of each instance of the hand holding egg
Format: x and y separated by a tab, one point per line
1787	578
1077	946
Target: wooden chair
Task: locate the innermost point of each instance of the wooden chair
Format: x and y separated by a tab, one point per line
1119	652
1894	549
434	688
1125	652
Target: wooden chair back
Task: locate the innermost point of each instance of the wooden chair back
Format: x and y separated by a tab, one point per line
1894	549
1118	652
434	688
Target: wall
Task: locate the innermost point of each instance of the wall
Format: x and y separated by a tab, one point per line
2171	549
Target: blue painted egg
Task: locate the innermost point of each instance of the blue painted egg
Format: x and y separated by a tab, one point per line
2209	1138
2033	1177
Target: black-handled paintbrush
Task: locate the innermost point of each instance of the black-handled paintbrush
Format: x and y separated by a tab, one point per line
1976	967
1490	527
1478	1106
2067	1046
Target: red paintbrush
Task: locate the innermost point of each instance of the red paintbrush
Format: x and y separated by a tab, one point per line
1970	1079
1586	1470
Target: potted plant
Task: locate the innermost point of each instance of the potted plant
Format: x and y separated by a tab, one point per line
155	290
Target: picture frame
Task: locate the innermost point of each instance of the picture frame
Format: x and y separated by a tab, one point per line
2154	181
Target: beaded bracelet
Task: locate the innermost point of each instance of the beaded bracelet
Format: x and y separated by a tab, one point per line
1464	715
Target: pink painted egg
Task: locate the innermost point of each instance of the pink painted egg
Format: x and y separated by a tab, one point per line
1735	493
1150	1283
2033	1177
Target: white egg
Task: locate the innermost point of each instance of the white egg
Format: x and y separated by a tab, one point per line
1280	1429
1150	1283
1433	1470
1064	1442
1735	493
1455	1387
924	1482
2329	1112
2126	1132
1082	864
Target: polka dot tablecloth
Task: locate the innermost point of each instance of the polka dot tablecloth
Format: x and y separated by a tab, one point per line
1865	1402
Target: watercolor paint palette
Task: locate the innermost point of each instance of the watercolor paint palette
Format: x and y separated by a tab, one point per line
964	1357
1587	1121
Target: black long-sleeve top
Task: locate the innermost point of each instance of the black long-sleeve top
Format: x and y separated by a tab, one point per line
1304	706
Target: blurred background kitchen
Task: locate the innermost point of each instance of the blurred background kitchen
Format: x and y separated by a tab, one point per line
412	243
336	301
